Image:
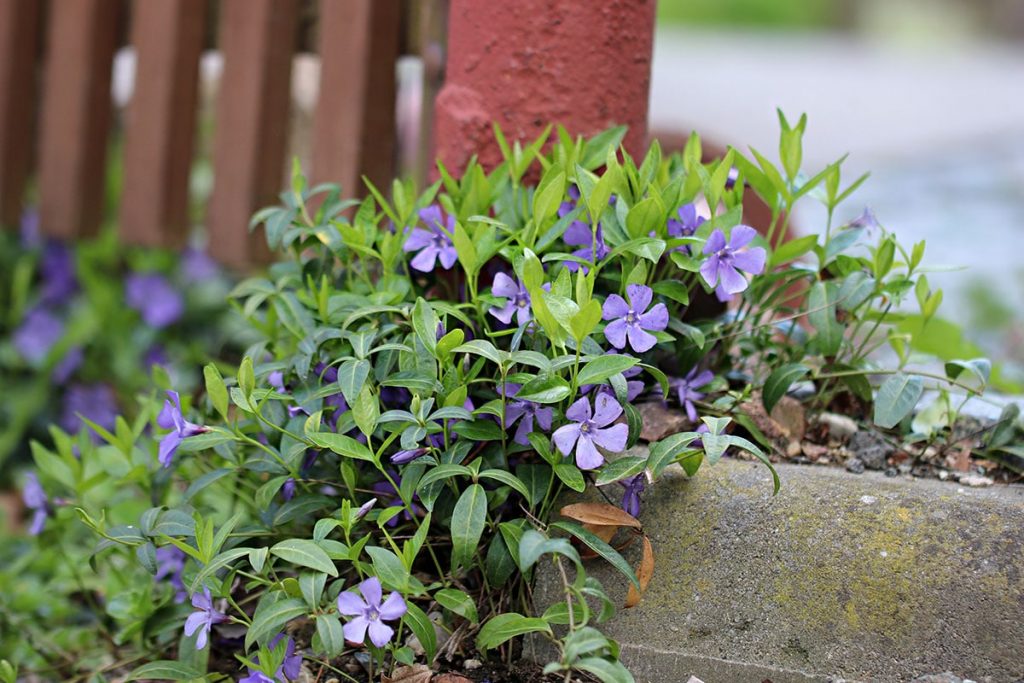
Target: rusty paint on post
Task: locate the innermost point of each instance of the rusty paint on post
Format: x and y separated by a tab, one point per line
81	40
257	40
354	125
168	36
525	64
18	45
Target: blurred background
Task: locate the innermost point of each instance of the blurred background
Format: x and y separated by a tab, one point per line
924	94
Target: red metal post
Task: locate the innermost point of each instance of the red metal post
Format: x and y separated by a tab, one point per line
524	64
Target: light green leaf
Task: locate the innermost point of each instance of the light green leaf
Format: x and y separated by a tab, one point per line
468	521
507	626
896	398
304	553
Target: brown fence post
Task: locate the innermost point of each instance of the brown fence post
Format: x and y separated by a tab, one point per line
168	39
354	126
257	39
18	43
81	40
525	64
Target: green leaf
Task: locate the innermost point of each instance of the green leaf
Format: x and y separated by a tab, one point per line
332	638
896	398
458	602
507	626
792	250
604	670
342	445
216	390
822	315
304	553
647	215
571	476
465	249
352	375
548	197
619	469
506	477
482	347
603	367
778	383
607	552
425	322
468	521
164	670
441	472
205	480
217	563
479	430
978	370
389	568
534	544
246	378
273	612
422	627
673	289
544	389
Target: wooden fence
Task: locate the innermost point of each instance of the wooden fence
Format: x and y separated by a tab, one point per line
56	114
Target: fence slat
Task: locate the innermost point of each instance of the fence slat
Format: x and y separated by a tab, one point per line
257	40
354	125
18	39
81	40
168	37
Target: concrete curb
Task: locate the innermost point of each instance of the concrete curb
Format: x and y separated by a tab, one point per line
860	578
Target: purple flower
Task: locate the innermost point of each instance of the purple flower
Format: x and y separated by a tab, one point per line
629	321
327	373
593	247
288	489
203	619
170	565
171	418
57	267
155	355
525	412
95	402
155	298
686	389
433	243
565	208
37	334
36	500
276	380
370	614
686	226
403	457
722	268
587	433
289	670
365	508
866	220
633	486
517	300
197	266
63	370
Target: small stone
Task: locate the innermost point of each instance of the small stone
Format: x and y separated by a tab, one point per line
905	468
855	465
891	471
868	500
793	449
839	426
938	678
693	679
976	481
471	664
659	420
943	475
871	448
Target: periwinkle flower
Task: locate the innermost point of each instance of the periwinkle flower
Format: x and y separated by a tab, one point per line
592	244
276	380
587	431
289	670
37	334
365	508
633	487
71	361
565	208
203	619
686	389
171	418
408	455
722	269
35	499
517	300
197	266
95	402
57	267
526	413
434	243
686	225
155	355
630	322
170	565
370	613
155	298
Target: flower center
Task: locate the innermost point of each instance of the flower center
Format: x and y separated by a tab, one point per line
373	615
631	317
585	427
522	300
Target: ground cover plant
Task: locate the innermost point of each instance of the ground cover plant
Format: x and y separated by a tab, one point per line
84	325
374	486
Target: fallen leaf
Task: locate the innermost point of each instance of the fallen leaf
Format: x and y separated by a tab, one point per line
605	533
959	459
644	573
417	673
600	514
660	421
790	415
452	678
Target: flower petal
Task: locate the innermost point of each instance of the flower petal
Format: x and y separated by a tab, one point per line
504	286
579	411
640	340
715	243
168	445
372	591
380	633
393	608
639	297
351	604
741	236
565	437
732	281
587	456
709	270
505	313
655	319
614	307
418	239
448	257
355	630
424	261
752	260
544	416
613	438
615	333
194	621
578	234
606	409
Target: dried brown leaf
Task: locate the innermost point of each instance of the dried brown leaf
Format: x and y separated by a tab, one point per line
644	573
417	673
600	514
605	533
452	678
